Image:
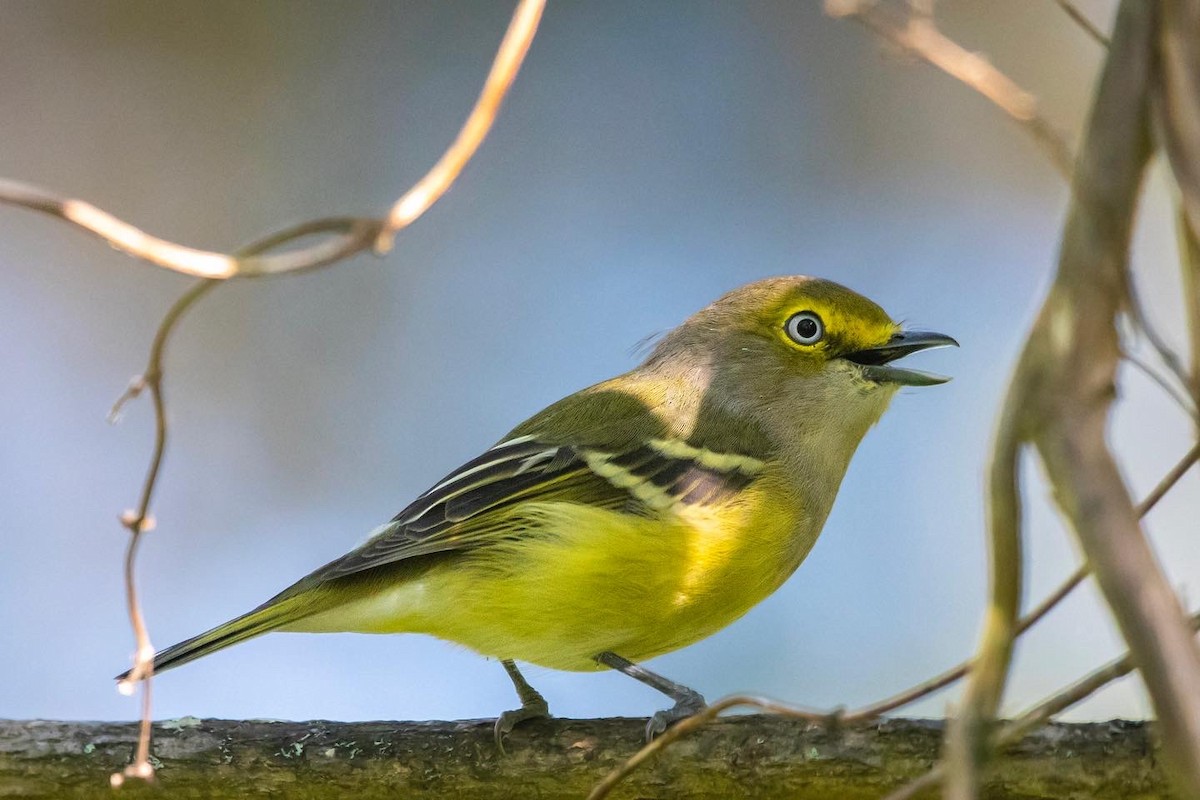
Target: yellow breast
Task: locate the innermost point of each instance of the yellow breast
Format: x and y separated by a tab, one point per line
579	580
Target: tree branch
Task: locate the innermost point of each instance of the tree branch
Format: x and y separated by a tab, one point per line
1075	354
747	756
989	670
139	521
1085	24
349	236
1061	395
426	192
1026	622
354	237
1040	714
918	35
1177	123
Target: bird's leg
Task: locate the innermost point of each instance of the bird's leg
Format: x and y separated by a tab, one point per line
687	701
533	705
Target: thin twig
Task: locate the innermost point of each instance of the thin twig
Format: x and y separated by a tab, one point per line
1058	400
1185	402
918	35
989	672
1042	712
1098	207
1176	110
1168	481
957	672
356	236
350	235
139	521
1083	22
353	236
1139	320
504	69
1072	358
1039	714
695	723
1189	258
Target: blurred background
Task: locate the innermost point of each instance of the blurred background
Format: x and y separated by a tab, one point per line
651	157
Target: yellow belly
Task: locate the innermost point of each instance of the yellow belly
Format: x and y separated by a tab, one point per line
580	580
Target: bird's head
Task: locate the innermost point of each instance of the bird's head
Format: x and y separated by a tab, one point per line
800	350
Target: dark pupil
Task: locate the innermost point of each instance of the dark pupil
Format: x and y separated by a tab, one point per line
807	328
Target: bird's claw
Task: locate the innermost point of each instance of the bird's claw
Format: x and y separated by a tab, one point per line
535	709
686	706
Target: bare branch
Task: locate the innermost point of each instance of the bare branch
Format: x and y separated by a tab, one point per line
1062	392
351	235
1080	690
693	724
1189	249
426	192
1030	619
989	672
1177	122
1022	420
1140	321
959	671
917	35
760	756
1185	402
1168	481
1062	387
136	521
1083	22
1177	99
139	521
1039	715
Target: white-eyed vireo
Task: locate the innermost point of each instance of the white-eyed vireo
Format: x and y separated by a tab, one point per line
636	516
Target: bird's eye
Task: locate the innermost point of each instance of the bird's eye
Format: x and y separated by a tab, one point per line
805	328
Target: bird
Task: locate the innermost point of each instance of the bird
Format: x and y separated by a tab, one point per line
634	517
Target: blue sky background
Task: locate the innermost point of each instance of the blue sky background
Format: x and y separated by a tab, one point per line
651	157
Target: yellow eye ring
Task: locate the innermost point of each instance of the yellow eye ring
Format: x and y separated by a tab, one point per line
805	328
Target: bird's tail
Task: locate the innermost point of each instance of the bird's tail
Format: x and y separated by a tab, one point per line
267	617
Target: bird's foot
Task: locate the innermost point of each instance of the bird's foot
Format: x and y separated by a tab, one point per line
687	703
532	708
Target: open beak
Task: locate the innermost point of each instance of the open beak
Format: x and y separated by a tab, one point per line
875	361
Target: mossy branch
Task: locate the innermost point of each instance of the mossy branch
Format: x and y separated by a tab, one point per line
758	756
